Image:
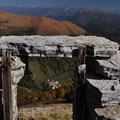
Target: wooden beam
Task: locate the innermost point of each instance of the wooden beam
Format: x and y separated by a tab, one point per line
79	102
7	85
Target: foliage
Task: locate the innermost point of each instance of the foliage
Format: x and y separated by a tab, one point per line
39	70
35	87
4	22
65	92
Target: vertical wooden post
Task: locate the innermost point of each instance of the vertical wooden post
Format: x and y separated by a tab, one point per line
1	104
79	102
7	85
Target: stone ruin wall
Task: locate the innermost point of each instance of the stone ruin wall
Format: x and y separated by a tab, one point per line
103	58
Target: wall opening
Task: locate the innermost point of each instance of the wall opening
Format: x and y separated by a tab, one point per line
47	88
15	73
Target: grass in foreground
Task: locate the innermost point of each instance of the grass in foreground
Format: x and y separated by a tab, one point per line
47	112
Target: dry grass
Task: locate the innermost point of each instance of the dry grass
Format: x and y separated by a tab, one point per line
47	112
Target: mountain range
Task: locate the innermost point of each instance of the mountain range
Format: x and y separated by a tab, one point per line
94	21
99	22
87	16
57	13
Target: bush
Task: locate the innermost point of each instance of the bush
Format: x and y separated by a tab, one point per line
65	92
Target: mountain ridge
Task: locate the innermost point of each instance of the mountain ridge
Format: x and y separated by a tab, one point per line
57	12
38	25
87	16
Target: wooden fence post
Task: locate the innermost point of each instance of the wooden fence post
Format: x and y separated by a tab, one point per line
79	102
7	85
1	91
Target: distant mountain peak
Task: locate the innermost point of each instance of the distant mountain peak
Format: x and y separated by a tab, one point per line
96	11
60	12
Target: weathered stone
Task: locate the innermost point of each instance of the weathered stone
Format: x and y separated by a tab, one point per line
17	72
110	90
62	46
109	68
108	64
109	112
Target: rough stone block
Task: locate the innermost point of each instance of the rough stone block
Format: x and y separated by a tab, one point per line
61	46
109	68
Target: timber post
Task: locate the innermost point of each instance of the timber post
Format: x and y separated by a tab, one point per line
79	101
7	85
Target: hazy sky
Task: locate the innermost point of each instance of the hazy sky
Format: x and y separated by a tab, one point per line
102	4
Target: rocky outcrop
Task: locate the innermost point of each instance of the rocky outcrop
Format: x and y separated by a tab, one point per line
17	72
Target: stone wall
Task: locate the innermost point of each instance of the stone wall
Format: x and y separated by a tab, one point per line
18	69
103	59
61	46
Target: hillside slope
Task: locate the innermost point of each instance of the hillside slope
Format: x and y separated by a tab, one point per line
57	69
99	22
104	27
88	16
108	29
19	25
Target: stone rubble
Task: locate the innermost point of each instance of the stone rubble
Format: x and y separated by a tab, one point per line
109	112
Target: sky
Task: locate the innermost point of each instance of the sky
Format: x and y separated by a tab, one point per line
101	4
